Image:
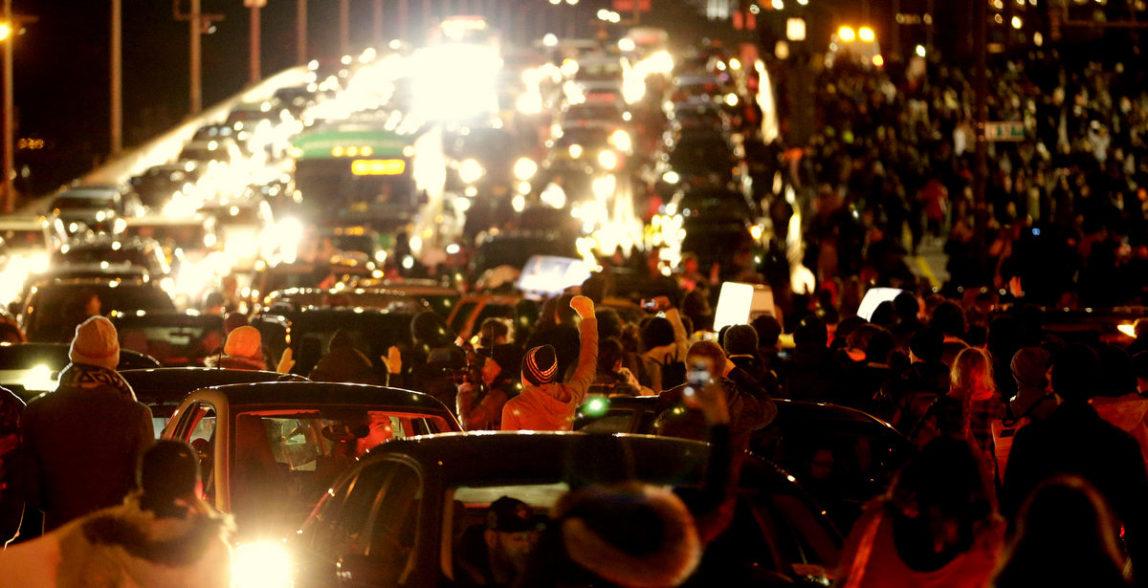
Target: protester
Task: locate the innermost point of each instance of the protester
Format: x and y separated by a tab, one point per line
1034	400
163	535
1065	536
497	552
242	351
936	527
546	403
344	363
612	378
974	388
480	403
1117	400
83	440
1075	440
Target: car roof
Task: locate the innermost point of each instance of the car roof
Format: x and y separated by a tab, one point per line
173	383
462	458
24	355
323	393
164	318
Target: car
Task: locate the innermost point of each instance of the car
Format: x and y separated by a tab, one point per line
441	298
224	150
514	248
864	451
397	518
701	156
162	389
293	299
269	450
54	307
112	251
472	310
30	369
102	271
174	338
156	185
93	207
240	226
359	243
307	331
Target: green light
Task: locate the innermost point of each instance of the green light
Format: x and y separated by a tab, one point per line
596	407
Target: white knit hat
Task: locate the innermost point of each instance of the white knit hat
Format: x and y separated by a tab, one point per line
96	343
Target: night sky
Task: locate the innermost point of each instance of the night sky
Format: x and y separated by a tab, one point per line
62	67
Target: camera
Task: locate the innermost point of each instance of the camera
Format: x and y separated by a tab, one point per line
649	304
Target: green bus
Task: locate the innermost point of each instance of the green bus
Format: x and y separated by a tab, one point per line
372	168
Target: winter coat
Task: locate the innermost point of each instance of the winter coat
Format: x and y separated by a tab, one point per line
11	500
750	409
126	546
345	364
482	411
551	407
653	360
1075	440
82	443
1130	413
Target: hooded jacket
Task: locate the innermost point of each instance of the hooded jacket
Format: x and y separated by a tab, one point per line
82	443
126	546
551	407
1128	412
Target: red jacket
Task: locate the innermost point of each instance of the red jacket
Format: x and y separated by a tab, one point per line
551	407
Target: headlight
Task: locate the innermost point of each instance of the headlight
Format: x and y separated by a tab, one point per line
264	563
525	168
607	159
470	171
575	151
671	177
621	140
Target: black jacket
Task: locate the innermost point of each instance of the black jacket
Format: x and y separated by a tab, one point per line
1075	440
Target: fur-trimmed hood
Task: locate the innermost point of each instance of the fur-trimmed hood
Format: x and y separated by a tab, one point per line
632	535
126	545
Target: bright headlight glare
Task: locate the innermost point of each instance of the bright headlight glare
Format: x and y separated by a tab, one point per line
575	151
263	563
608	159
525	168
470	171
621	140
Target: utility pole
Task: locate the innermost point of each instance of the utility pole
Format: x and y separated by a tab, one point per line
9	120
256	70
117	103
195	28
378	22
301	32
404	16
344	27
980	116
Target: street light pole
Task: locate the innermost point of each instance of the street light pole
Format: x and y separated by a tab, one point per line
196	29
378	22
9	120
117	114
256	69
300	32
344	27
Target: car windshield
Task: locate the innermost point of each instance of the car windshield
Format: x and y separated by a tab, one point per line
285	460
188	237
83	202
172	345
94	255
54	311
24	238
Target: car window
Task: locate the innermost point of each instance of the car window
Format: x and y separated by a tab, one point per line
348	530
464	310
394	520
800	534
197	428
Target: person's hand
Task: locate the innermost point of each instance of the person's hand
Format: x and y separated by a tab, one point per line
286	362
393	360
711	400
583	306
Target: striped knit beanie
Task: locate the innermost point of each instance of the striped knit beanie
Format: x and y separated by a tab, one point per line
540	366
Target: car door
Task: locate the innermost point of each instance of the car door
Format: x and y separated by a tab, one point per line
364	531
196	426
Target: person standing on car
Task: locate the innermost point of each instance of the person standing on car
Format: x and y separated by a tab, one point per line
546	404
163	535
82	441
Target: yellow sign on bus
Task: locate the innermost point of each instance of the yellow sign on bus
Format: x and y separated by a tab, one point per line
378	167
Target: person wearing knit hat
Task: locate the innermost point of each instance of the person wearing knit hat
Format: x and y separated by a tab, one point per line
73	475
162	534
547	404
1034	398
242	351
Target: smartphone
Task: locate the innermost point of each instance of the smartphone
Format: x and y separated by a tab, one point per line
649	304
